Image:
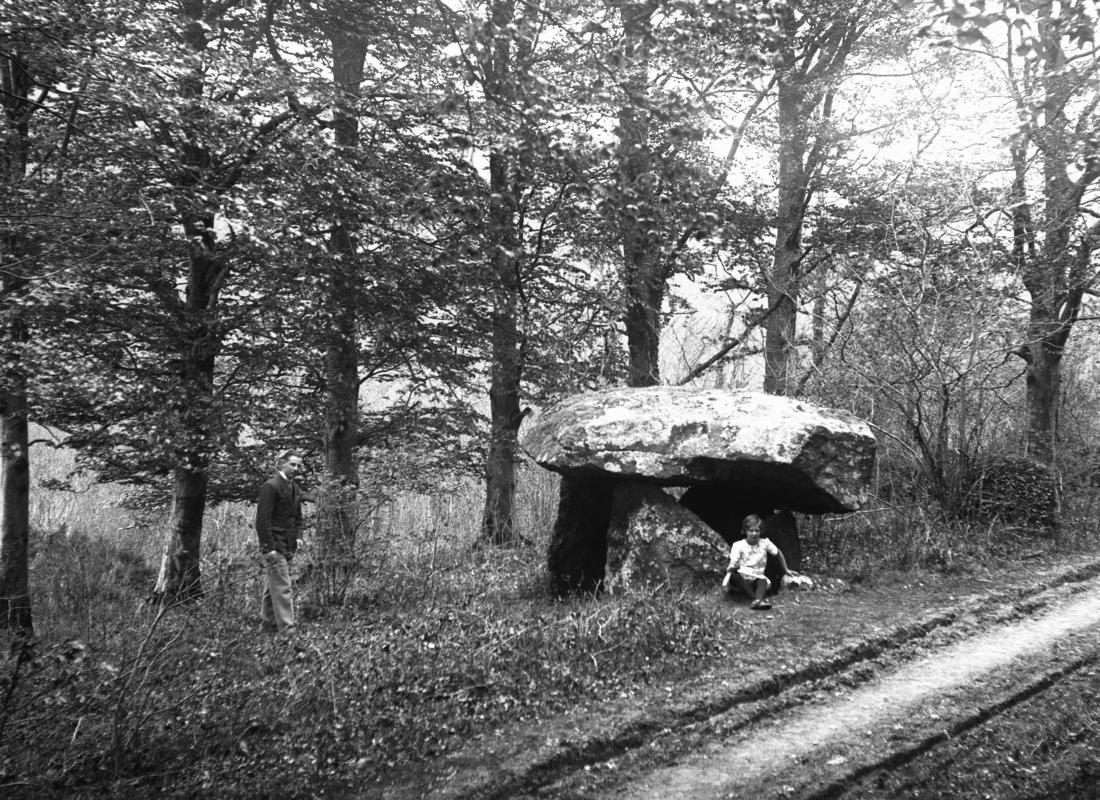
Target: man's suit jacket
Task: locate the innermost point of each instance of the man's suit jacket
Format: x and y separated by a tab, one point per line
279	515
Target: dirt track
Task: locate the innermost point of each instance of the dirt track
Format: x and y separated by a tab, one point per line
861	711
817	749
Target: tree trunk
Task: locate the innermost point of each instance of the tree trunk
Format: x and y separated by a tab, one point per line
190	476
498	524
15	601
507	352
1055	276
505	255
184	580
1044	387
337	519
200	343
784	277
643	266
1053	311
645	295
194	410
805	83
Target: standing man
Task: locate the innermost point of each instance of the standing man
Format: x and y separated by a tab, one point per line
278	524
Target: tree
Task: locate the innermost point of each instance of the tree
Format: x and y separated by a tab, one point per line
40	44
200	176
156	319
670	63
523	120
341	432
1050	62
508	175
807	110
645	272
383	299
817	42
21	96
1058	270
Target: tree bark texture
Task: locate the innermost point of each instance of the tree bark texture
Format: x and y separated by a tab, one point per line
784	277
195	407
188	508
644	269
338	520
15	601
507	361
505	260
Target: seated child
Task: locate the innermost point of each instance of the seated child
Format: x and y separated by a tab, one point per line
748	556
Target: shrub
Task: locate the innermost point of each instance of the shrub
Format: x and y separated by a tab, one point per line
1012	490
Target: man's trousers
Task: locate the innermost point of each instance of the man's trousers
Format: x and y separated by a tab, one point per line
277	601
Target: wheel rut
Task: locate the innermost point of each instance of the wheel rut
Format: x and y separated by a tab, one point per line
840	786
642	746
892	718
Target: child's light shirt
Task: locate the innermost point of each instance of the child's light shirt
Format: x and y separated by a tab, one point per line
749	559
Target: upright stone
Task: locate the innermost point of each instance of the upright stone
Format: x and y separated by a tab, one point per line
652	540
577	554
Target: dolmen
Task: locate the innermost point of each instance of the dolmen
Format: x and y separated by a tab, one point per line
656	480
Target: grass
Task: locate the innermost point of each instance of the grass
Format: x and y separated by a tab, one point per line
435	641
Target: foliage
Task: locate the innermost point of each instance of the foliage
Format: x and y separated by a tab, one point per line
114	371
118	368
242	160
175	180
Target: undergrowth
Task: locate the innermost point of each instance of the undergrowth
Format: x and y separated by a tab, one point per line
920	537
200	698
432	642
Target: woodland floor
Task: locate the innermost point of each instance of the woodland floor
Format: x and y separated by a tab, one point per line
1018	713
341	713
